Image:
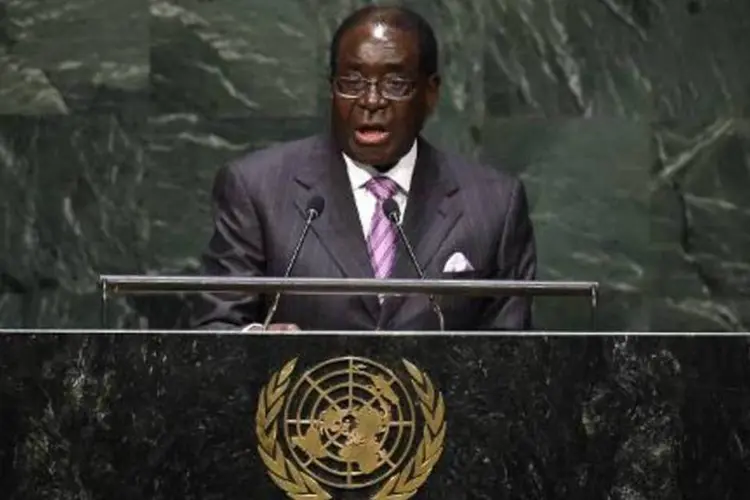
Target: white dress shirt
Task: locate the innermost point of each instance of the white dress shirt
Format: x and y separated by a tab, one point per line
359	174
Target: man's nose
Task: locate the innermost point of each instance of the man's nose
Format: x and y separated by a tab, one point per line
372	98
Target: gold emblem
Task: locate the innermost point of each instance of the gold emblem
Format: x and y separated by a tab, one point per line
350	423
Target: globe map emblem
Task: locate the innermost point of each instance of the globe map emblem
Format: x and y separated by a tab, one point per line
349	422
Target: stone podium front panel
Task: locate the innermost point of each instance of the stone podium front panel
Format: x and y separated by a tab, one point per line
163	415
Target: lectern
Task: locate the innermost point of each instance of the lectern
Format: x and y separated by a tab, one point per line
363	415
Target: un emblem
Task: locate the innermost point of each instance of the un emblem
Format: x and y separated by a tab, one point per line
350	423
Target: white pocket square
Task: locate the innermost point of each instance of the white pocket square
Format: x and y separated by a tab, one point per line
457	263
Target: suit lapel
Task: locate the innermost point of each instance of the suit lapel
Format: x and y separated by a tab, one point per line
338	229
432	211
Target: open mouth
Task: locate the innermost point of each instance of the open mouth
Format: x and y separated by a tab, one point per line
371	135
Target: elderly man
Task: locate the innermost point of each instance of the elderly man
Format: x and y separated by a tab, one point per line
464	220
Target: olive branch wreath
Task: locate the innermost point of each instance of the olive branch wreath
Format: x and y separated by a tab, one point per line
301	486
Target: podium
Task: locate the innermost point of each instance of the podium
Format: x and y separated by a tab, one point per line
360	415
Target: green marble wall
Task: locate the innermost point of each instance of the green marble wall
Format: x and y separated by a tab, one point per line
628	119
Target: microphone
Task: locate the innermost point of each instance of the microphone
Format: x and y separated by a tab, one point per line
314	208
392	212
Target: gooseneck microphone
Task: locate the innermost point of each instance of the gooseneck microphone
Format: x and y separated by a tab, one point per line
392	212
314	208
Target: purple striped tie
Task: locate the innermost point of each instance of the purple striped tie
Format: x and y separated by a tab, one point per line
381	241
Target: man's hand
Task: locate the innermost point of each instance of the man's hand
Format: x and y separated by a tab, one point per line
273	327
283	327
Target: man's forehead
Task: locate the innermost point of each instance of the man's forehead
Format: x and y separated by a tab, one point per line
378	40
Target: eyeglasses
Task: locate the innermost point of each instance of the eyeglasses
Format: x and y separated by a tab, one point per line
393	88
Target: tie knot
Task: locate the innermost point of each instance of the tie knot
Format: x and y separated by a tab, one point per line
382	187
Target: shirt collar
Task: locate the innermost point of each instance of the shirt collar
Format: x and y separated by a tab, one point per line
401	173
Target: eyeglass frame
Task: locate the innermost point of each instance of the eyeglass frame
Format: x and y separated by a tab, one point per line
377	82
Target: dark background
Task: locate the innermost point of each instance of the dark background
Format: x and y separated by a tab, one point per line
627	119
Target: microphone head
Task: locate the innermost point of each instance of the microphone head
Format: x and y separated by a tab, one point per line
316	205
391	210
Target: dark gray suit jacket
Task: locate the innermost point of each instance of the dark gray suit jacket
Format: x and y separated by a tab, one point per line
454	206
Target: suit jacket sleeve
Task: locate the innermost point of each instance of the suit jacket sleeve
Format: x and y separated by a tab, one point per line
516	260
234	249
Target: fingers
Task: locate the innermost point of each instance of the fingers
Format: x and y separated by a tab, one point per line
283	327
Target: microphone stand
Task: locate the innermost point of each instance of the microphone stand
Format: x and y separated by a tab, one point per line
392	212
312	214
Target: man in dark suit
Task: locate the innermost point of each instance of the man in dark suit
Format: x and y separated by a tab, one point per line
464	219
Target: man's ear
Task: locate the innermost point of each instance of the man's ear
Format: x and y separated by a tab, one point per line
432	92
